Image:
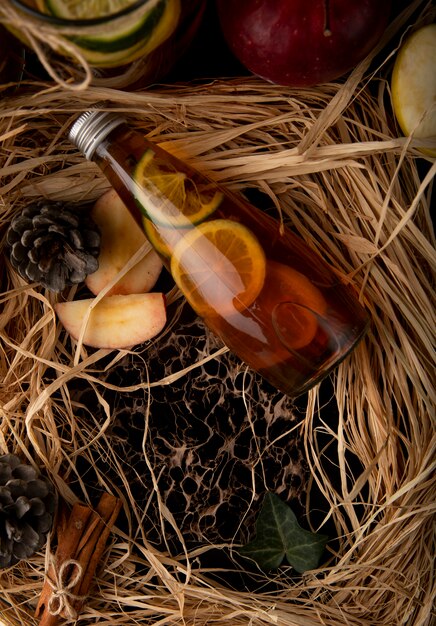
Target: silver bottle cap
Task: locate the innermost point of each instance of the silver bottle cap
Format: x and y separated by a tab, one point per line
89	130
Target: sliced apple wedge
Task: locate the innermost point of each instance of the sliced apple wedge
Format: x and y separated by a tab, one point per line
121	237
116	322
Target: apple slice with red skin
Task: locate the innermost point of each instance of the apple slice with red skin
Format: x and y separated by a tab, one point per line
121	238
300	43
115	322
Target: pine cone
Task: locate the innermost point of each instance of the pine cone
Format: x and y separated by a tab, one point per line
52	245
26	510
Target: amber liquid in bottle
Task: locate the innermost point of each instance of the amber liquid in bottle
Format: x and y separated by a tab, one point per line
264	292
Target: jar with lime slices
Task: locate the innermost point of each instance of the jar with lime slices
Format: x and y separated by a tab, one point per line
116	43
275	303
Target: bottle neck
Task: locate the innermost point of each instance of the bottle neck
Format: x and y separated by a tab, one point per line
116	153
91	128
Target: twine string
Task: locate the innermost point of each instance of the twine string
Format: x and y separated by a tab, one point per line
43	38
62	584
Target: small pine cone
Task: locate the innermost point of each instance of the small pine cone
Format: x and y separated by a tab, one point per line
53	245
27	504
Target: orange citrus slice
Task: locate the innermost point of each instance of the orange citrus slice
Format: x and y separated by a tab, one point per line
219	266
295	303
170	197
290	311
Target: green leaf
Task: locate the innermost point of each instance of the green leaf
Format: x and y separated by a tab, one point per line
278	534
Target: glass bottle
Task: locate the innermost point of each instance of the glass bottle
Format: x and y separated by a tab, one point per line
272	300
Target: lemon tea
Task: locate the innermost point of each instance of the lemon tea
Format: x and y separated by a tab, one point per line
273	301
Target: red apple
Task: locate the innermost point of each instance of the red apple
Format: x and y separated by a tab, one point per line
302	42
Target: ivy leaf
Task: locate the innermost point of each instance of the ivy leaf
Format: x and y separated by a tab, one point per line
278	534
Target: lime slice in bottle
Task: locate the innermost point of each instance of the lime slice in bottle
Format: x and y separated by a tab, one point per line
162	238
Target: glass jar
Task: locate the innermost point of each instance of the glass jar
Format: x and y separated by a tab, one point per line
12	61
131	48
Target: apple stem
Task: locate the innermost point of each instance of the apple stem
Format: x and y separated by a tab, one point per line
327	31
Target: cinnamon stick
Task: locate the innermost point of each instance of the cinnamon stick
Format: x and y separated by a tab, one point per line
108	508
89	554
81	543
69	536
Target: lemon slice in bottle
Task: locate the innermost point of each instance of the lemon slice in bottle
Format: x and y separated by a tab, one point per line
169	197
414	85
220	267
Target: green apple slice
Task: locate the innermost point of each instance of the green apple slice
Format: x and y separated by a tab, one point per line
414	85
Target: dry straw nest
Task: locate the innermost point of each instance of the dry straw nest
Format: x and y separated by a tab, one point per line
332	163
